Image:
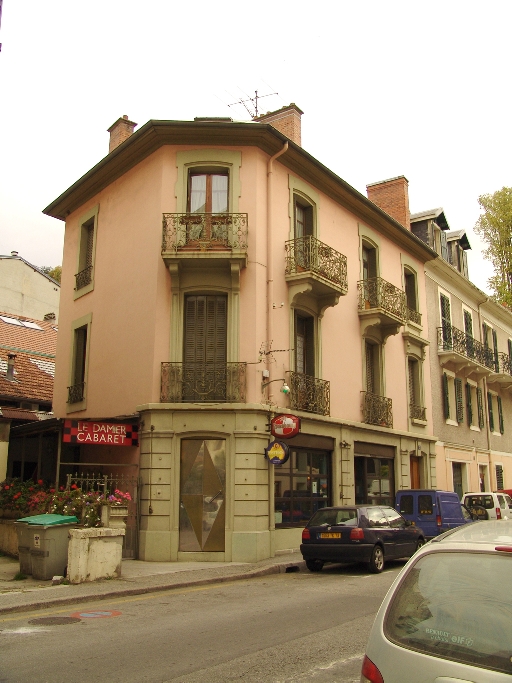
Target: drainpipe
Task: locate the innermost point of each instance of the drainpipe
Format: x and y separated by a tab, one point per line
270	263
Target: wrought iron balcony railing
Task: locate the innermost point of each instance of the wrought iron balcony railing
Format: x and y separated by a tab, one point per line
310	394
76	393
203	383
83	278
413	316
377	410
204	231
309	254
505	362
378	293
417	412
449	338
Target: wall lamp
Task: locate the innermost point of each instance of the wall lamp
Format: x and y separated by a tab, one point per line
285	388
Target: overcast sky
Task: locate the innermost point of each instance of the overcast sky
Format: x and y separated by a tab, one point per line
388	88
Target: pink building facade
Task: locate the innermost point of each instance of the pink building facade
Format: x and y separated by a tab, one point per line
215	275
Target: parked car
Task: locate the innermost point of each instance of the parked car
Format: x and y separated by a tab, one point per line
489	505
434	511
358	533
448	615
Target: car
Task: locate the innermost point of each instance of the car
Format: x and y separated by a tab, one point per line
358	533
448	614
432	510
489	505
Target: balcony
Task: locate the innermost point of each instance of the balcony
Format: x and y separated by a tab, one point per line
313	268
377	410
502	371
203	383
190	238
465	352
412	316
381	306
309	394
76	393
417	413
83	278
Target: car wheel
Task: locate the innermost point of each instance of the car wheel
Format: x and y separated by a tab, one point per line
479	511
314	565
376	563
419	544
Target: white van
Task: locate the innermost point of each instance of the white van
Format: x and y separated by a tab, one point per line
489	505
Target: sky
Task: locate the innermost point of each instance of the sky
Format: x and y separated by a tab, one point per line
387	88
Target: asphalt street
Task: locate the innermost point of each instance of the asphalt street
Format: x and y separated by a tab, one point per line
281	628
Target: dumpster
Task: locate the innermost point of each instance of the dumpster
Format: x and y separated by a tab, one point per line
46	537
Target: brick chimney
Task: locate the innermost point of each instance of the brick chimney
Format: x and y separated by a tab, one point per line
392	196
120	131
286	120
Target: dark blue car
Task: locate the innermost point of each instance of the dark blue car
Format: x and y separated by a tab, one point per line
359	533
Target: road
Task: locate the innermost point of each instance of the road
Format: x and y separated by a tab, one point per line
279	629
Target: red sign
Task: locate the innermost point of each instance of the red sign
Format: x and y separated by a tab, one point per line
101	433
285	426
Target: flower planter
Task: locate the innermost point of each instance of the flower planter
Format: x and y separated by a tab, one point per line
114	516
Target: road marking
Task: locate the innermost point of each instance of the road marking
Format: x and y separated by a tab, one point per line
95	615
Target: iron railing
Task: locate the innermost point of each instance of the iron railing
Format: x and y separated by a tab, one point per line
449	338
310	394
204	231
83	278
378	293
377	410
413	316
505	363
203	383
309	254
417	412
76	393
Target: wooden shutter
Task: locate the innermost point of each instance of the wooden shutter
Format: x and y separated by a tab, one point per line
468	323
499	477
446	323
510	350
459	404
446	397
480	406
495	347
500	415
491	414
485	335
469	406
444	246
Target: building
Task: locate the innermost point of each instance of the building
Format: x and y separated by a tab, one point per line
216	275
471	366
26	291
27	366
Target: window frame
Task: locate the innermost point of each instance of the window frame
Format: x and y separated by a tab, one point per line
449	398
85	322
87	221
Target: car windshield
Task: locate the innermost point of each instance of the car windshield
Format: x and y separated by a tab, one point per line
333	517
447	608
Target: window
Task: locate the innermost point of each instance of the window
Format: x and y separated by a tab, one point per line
468	329
369	261
459	404
374	479
372	367
446	322
453	405
79	364
84	278
207	192
410	290
303	218
480	405
494	408
416	409
302	486
472	405
500	415
304	344
499	477
458	473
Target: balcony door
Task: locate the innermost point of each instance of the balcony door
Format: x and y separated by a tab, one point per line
204	348
305	344
208	193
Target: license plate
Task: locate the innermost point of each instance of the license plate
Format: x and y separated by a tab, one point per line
330	535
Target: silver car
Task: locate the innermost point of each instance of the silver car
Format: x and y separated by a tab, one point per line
447	618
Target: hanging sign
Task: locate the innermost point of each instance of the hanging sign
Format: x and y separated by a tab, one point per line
277	452
100	433
285	426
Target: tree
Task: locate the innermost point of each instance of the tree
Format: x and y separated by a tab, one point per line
495	228
53	271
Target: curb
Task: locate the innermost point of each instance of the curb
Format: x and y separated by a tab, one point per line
141	590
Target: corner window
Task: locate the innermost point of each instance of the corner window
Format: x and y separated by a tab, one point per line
84	278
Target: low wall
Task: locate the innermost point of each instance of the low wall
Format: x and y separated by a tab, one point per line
94	554
8	537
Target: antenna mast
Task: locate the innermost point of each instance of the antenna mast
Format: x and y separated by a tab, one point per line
253	112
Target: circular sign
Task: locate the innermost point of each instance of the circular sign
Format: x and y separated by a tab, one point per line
285	426
277	453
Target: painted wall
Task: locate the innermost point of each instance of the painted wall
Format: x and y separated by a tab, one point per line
25	291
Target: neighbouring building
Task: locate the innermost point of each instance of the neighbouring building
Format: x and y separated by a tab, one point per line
26	291
216	275
471	366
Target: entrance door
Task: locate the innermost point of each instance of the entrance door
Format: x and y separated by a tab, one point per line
202	495
415	472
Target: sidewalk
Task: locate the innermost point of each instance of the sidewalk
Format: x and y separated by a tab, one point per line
137	577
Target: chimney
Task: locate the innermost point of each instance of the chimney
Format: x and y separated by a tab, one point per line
392	196
14	253
10	366
286	120
120	131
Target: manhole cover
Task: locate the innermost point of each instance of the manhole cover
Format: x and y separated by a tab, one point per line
53	621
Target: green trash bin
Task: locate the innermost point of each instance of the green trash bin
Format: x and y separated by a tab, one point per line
46	536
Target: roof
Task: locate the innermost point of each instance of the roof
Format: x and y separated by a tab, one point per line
33	344
16	257
436	215
459	235
155	134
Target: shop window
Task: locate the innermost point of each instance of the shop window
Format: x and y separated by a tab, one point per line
302	485
458	473
374	481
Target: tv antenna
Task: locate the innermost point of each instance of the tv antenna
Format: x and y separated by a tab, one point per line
253	111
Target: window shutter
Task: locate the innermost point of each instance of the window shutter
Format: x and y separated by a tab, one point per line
459	401
485	335
480	405
496	356
500	415
499	477
469	406
444	246
446	322
446	397
510	349
468	323
491	414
